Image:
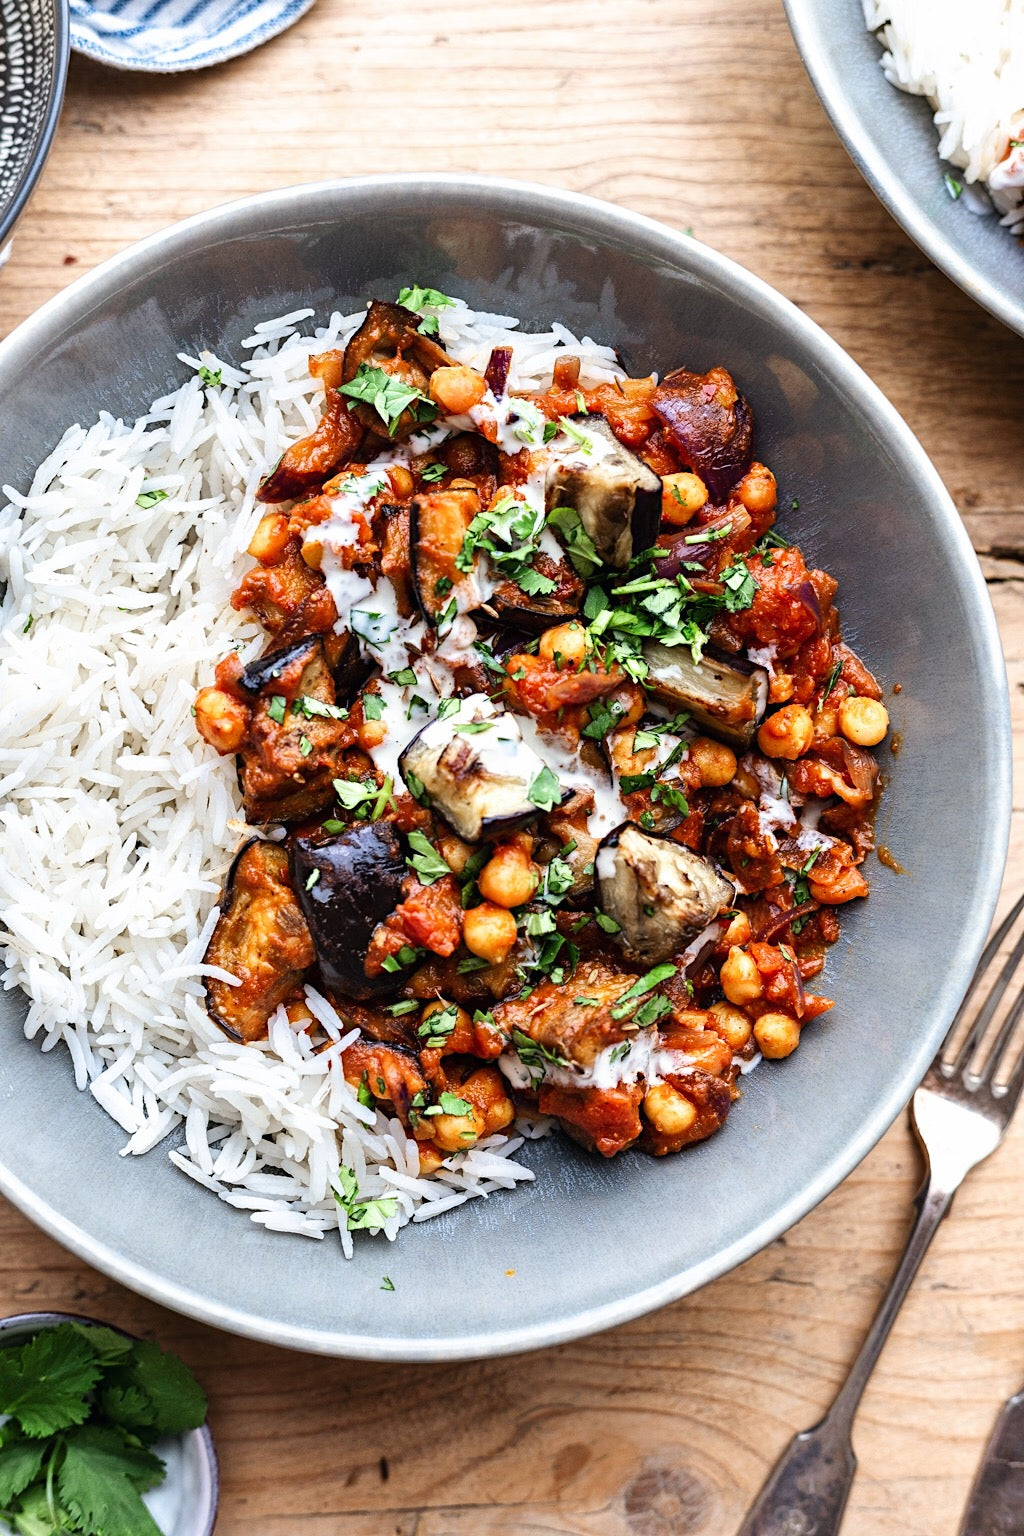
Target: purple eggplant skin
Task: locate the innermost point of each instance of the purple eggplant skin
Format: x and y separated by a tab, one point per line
346	886
710	424
262	673
537	613
497	371
659	892
352	668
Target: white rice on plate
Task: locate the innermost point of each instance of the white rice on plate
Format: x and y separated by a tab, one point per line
967	58
119	823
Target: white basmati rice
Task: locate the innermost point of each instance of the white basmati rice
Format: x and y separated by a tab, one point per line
119	823
967	58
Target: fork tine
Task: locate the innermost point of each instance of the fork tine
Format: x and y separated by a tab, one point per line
999	1046
999	986
1007	1098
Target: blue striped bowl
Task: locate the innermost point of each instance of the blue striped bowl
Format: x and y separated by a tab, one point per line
168	35
33	64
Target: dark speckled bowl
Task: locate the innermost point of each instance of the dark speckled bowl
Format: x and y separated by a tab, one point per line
34	43
185	1503
591	1243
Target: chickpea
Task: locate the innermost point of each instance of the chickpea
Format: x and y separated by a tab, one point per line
740	977
509	877
788	733
731	1024
430	1157
569	641
402	483
220	719
457	389
716	761
313	553
757	490
456	1133
268	542
863	721
781	688
668	1111
489	931
371	734
681	496
777	1035
738	931
454	851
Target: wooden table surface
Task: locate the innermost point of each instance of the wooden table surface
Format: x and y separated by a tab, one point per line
697	113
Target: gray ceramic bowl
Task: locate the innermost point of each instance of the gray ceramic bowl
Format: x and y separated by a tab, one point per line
591	1243
185	1504
893	143
34	44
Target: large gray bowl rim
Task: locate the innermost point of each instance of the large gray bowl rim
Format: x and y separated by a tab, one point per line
542	208
891	139
48	123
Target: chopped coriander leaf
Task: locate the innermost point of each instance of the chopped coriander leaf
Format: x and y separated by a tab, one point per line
607	923
373	706
603	718
583	439
389	396
740	586
362	1215
629	999
556	881
833	678
387	1284
771	540
709	536
587	1002
473	727
536	924
406	956
429	326
795	504
416	787
305	746
276	708
442	586
333	826
433	472
633	783
312	878
304	705
149	499
550	431
437	1029
426	860
545	790
407	1005
451	1104
416	297
28	625
211	377
364	1095
355	794
651	1010
406	678
535	1056
580	546
471	963
953	187
446	619
668	794
448	707
534	583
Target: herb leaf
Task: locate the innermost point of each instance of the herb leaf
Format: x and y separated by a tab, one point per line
545	790
44	1383
388	396
426	860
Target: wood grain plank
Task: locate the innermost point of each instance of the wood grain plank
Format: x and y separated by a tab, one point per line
698	114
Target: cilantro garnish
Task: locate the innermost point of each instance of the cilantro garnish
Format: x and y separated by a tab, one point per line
608	924
509	532
436	1030
578	542
389	396
149	499
534	1056
406	678
545	790
85	1405
629	1000
211	377
426	860
368	801
387	1284
373	706
361	1215
304	705
424	298
433	472
276	708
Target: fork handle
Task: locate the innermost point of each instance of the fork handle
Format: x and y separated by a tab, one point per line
810	1484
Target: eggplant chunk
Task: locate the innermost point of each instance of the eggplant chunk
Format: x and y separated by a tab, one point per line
347	885
261	937
726	697
476	769
617	496
389	339
438	524
290	755
660	894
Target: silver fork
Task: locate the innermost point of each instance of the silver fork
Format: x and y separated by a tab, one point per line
960	1113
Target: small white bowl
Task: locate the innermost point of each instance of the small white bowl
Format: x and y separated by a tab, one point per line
185	1503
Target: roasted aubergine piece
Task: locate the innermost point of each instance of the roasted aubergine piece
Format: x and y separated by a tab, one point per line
475	770
617	496
347	885
261	937
726	697
291	752
660	893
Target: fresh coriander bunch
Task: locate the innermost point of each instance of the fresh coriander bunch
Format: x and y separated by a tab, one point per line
84	1405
